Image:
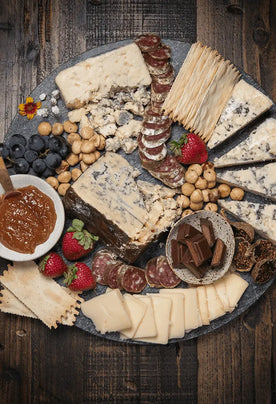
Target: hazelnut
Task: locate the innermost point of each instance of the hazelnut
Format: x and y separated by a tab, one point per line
63	188
76	146
186	212
196	167
64	177
87	146
44	128
207	165
97	154
72	159
72	137
191	176
183	201
211	184
89	158
206	195
53	182
70	127
187	188
224	190
83	166
237	194
214	195
64	166
87	132
213	207
196	206
201	183
99	141
209	175
57	129
76	173
196	196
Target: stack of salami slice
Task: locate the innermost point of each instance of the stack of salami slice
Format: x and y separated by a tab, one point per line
159	273
156	128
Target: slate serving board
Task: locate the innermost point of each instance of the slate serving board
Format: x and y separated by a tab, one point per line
25	127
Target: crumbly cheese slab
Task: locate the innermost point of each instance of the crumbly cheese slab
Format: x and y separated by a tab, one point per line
220	286
108	312
136	310
202	304
215	307
259	146
259	180
244	106
177	323
235	287
96	77
42	295
147	327
261	217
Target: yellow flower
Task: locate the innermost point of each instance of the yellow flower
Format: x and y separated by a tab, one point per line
29	108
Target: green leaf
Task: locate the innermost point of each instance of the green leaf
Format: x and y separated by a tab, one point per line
78	224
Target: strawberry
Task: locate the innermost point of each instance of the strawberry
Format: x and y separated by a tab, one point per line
77	242
190	149
52	265
79	277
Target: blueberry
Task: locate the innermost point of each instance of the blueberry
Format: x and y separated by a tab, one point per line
36	142
21	166
16	139
46	141
30	155
53	160
64	150
5	151
55	144
17	151
48	172
39	166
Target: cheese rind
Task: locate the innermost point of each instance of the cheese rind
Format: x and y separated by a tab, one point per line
244	106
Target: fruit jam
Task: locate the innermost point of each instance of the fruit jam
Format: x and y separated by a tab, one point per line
26	220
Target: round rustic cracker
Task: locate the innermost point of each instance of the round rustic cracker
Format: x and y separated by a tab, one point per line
222	230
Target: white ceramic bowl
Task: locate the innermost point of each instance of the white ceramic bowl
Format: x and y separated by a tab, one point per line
23	180
222	230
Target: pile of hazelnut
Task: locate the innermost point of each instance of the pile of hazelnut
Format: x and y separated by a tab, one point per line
200	190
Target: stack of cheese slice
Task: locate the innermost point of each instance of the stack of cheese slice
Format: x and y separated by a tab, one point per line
158	317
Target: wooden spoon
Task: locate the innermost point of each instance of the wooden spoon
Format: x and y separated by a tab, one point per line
6	182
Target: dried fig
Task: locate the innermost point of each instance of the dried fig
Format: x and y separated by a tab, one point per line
263	271
243	257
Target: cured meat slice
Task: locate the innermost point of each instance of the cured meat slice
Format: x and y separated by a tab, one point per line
164	124
155	66
101	260
156	139
133	279
112	278
157	106
147	163
148	42
156	153
159	97
154	131
161	53
166	78
152	274
168	278
160	88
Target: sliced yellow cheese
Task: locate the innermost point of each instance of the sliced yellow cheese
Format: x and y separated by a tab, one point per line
235	287
202	304
220	287
177	324
147	327
108	312
136	310
215	307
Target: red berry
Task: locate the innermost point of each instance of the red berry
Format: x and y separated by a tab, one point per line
52	265
190	149
79	277
77	242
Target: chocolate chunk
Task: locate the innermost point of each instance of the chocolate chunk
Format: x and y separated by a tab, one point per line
186	230
188	263
199	249
208	231
219	253
177	251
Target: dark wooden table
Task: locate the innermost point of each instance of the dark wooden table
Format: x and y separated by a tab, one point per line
235	364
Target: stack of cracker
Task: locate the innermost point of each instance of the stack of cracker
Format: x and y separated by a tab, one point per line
201	90
29	293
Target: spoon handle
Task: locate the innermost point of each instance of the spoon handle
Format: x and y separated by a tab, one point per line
5	179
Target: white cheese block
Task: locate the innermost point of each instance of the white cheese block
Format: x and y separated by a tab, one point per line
162	311
108	312
244	106
136	310
177	324
259	180
96	77
259	146
261	217
215	307
220	286
147	327
235	287
203	306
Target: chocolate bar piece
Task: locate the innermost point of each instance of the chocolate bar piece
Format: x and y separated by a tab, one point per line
186	230
188	263
208	231
177	251
219	252
199	249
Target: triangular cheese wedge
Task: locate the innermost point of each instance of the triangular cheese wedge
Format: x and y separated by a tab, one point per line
261	217
235	287
244	106
259	146
147	327
220	287
259	180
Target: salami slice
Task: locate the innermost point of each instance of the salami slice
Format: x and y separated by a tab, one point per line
160	88
101	260
159	97
164	124
152	274
168	278
154	132
157	138
161	53
147	163
148	42
166	78
156	153
133	279
155	66
112	278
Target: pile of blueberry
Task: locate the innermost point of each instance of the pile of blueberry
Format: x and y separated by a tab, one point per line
40	154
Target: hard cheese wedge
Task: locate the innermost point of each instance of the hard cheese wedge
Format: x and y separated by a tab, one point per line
235	287
215	307
220	286
244	106
203	306
261	217
147	326
108	312
136	310
259	180
259	146
177	324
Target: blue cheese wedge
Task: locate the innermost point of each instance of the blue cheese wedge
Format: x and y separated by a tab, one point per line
95	78
261	217
259	146
259	180
245	105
